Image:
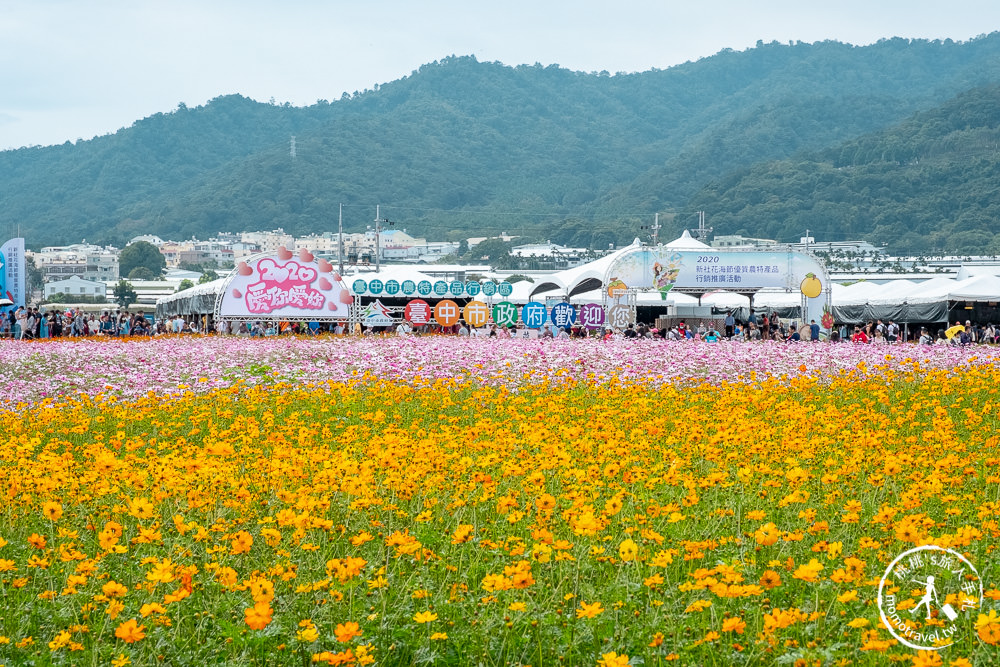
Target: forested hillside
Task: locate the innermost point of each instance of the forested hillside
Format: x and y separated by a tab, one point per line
462	147
928	185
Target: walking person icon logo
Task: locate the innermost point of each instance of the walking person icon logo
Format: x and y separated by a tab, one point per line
951	587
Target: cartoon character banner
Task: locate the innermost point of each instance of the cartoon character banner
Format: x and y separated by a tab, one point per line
287	286
663	269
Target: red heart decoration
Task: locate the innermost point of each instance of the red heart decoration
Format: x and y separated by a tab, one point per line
305	255
336	276
324	284
345	297
324	266
245	269
284	253
238	294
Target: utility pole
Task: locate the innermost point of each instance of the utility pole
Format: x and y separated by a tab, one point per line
340	239
702	232
655	227
379	221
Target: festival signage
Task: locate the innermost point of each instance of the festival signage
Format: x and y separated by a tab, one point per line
504	313
619	316
376	315
534	315
476	313
446	313
424	288
13	272
392	287
359	286
375	286
284	285
417	312
440	288
663	269
408	287
563	315
457	287
505	288
489	288
592	315
473	288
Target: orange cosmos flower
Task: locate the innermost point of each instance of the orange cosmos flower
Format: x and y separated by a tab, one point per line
52	510
258	616
345	632
130	631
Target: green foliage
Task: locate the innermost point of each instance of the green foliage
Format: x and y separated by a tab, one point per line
185	284
141	254
925	185
207	277
141	273
463	148
124	294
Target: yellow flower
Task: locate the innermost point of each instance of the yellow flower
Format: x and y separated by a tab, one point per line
589	610
439	635
425	617
847	596
628	550
808	572
613	660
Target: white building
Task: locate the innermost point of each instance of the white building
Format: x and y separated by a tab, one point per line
88	261
75	286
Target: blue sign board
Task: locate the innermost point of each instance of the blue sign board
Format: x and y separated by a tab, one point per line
534	315
563	314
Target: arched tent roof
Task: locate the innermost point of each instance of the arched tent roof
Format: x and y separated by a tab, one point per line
687	242
979	288
197	300
583	278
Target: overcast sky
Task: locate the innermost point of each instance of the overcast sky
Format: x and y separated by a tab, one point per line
72	69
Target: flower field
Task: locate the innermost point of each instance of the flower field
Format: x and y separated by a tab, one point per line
353	502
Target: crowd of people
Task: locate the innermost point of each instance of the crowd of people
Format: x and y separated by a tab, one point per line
27	323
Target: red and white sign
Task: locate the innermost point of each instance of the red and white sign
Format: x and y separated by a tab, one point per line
417	312
287	286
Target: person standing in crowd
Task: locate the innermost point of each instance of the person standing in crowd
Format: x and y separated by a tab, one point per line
813	331
892	332
730	324
925	337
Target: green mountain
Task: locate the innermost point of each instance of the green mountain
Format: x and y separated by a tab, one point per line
462	147
930	184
